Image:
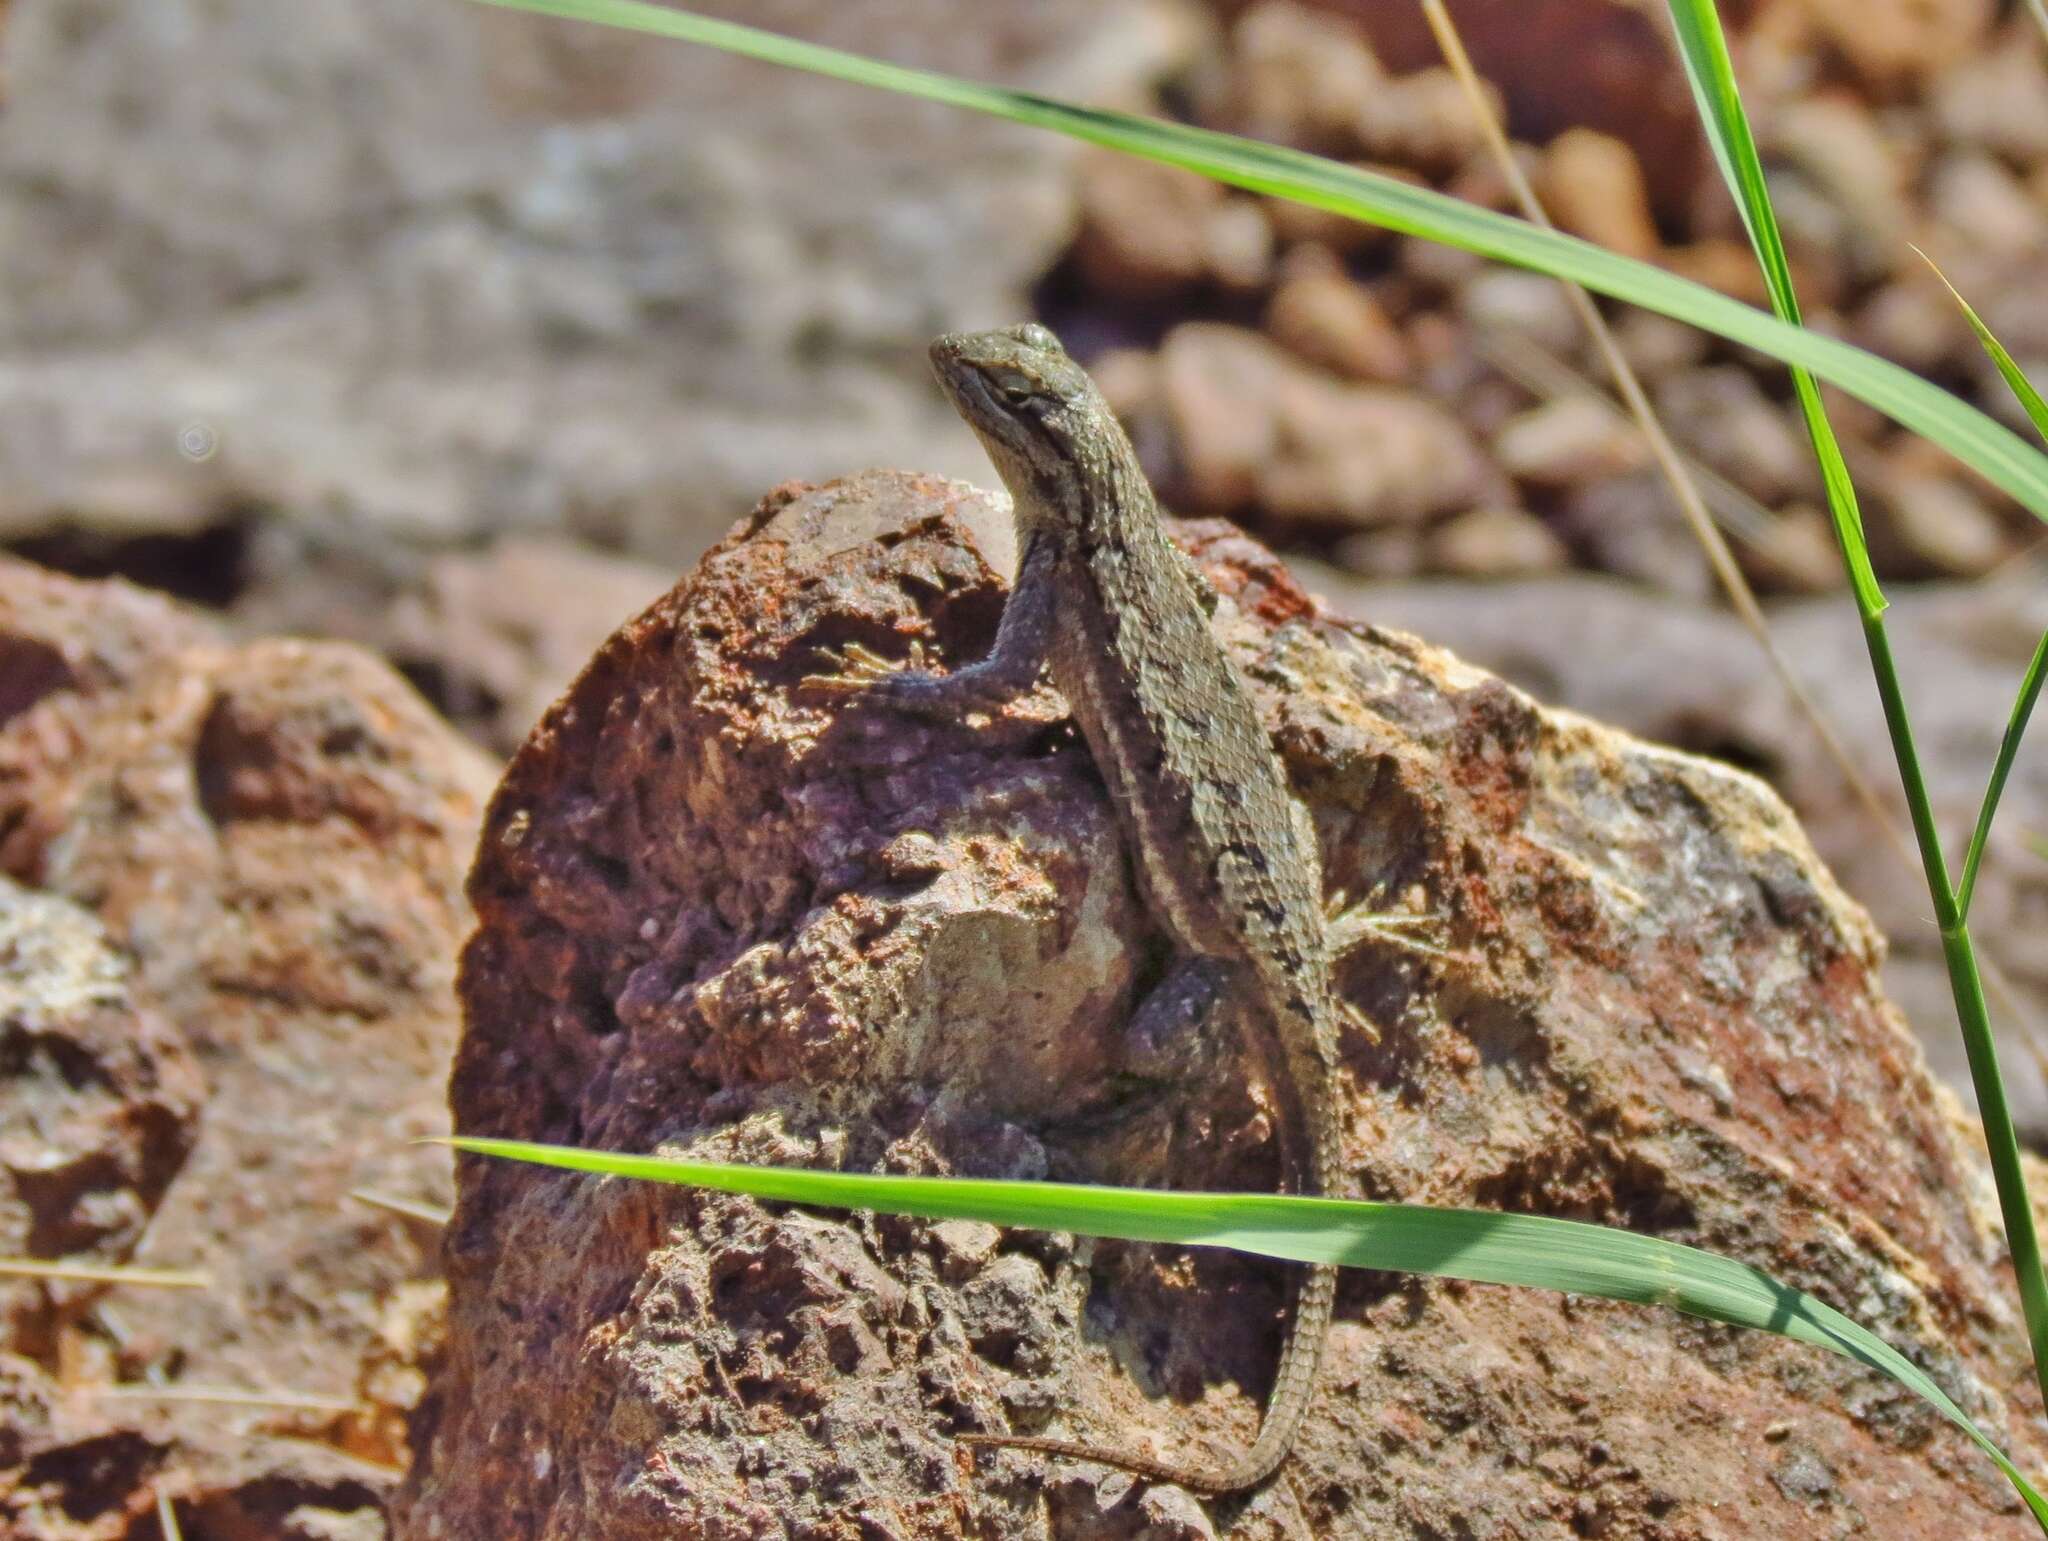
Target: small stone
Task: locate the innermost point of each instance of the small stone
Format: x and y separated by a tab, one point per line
1221	388
1298	78
1995	102
1915	322
1494	543
1656	346
1567	441
1797	555
1855	170
1724	416
1128	379
1438	266
1893	44
1425	120
1391	554
1296	224
1720	263
1144	227
1985	210
1481	181
1537	307
1626	525
1592	186
1933	524
1254	427
1237	244
1321	313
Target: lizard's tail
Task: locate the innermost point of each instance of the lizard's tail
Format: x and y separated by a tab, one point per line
1292	1390
1309	1057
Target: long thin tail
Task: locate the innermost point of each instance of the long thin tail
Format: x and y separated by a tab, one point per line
1292	1390
1310	1058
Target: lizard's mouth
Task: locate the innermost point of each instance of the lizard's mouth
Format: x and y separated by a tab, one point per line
973	396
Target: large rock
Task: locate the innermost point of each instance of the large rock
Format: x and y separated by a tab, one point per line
245	862
414	273
723	916
1691	675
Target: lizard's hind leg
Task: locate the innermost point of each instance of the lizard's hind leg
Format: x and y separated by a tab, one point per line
1168	1036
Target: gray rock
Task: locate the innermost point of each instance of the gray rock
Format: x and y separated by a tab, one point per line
416	273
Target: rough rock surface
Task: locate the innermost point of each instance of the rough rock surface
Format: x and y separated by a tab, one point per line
722	916
99	1105
263	843
1691	676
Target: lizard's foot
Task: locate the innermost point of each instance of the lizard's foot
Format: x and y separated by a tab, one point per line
858	669
1348	925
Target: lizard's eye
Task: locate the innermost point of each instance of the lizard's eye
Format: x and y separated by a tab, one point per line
1016	388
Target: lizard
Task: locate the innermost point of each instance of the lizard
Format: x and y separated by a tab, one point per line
1119	617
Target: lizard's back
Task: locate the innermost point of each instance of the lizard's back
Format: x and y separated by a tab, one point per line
1189	765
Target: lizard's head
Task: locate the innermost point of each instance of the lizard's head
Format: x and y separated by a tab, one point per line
1035	409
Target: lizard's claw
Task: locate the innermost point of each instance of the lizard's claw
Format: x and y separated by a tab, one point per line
1348	925
857	668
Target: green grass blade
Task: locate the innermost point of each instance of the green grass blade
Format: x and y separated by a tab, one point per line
2015	378
1994	450
2008	751
1705	51
1712	77
2030	686
1479	1245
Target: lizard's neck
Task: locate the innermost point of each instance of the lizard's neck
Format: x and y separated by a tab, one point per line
1097	497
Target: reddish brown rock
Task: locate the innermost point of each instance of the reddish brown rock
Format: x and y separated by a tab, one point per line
1152	232
722	916
1591	185
1690	675
1558	64
99	1106
1495	543
1257	429
500	632
269	838
59	635
1320	313
1891	45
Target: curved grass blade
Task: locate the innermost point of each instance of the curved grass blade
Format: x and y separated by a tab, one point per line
2015	378
2030	685
1994	450
2008	751
1479	1245
1705	51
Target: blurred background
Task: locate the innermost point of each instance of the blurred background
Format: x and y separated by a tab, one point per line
458	334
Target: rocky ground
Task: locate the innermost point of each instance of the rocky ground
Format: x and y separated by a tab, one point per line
455	335
228	921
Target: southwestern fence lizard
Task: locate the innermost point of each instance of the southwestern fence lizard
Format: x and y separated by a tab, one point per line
1224	861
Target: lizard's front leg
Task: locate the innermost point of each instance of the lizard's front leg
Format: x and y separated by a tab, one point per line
1012	666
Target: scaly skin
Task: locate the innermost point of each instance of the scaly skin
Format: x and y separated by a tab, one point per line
1116	613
